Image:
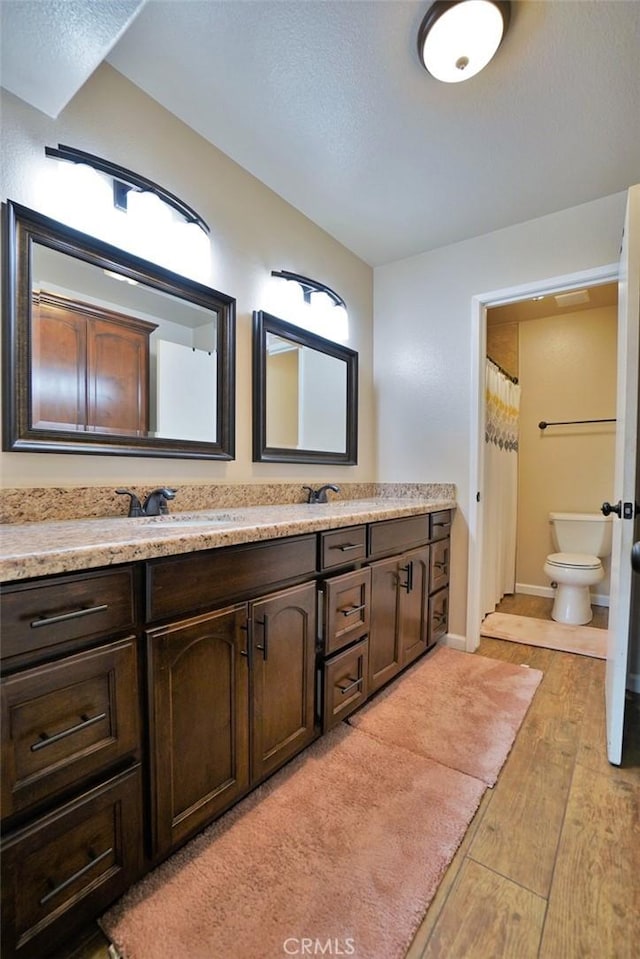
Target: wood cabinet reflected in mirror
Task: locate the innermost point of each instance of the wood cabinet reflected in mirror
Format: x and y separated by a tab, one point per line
305	396
108	353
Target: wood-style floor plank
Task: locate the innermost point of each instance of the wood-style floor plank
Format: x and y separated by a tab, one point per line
437	903
487	917
592	748
594	905
520	830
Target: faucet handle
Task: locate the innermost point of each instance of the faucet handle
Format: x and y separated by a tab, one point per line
311	498
135	506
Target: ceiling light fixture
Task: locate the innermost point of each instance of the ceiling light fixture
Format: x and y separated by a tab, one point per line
458	38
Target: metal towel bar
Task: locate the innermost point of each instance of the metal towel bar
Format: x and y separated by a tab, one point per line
542	425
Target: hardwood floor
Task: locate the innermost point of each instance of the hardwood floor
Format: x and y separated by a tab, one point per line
550	866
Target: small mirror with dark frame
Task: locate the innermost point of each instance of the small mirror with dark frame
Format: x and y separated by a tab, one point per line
305	396
107	353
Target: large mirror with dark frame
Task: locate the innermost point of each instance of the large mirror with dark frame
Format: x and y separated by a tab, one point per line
107	353
305	396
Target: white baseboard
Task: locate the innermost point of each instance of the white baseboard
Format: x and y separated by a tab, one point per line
597	599
455	641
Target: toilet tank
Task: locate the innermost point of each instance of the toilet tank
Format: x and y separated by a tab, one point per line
582	533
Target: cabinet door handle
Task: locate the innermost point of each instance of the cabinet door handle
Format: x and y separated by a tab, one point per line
46	740
348	610
408	569
248	652
264	646
352	685
345	547
80	872
63	617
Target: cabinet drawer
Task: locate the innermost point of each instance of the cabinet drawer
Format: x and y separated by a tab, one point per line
439	563
440	524
438	615
62	871
187	584
65	721
42	614
396	535
345	683
345	608
342	546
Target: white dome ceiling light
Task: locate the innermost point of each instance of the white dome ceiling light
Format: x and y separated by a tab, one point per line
458	38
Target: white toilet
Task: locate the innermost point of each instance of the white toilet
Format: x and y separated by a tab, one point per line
582	539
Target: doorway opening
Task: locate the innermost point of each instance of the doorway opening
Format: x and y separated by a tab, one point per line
558	339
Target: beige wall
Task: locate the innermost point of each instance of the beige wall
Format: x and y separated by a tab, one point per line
567	372
253	231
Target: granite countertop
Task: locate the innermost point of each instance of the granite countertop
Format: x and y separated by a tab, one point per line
40	549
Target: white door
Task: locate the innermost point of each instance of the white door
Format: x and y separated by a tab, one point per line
625	475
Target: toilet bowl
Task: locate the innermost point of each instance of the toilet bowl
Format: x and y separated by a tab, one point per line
582	539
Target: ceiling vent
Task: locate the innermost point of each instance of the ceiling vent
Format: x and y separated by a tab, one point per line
574	298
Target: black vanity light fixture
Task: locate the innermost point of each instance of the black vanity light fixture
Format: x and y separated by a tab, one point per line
125	180
458	38
310	286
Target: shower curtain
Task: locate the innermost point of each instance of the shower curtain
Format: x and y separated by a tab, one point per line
500	487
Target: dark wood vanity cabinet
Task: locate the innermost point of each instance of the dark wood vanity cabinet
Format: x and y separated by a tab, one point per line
282	628
380	617
231	691
399	614
440	554
186	680
71	774
346	606
198	721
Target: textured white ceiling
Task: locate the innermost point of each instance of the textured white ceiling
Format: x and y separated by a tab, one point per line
48	48
325	102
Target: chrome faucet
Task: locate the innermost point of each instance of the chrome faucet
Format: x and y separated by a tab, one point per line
154	504
320	495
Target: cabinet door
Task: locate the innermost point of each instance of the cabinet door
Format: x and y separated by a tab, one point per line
384	635
117	383
199	684
413	585
58	373
283	704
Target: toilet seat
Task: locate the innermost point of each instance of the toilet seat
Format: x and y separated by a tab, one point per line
574	561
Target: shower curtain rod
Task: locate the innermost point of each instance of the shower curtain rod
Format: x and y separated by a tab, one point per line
514	379
543	425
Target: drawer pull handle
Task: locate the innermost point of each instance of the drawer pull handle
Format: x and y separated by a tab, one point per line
63	617
439	619
352	685
264	646
345	547
440	565
80	872
46	740
349	610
